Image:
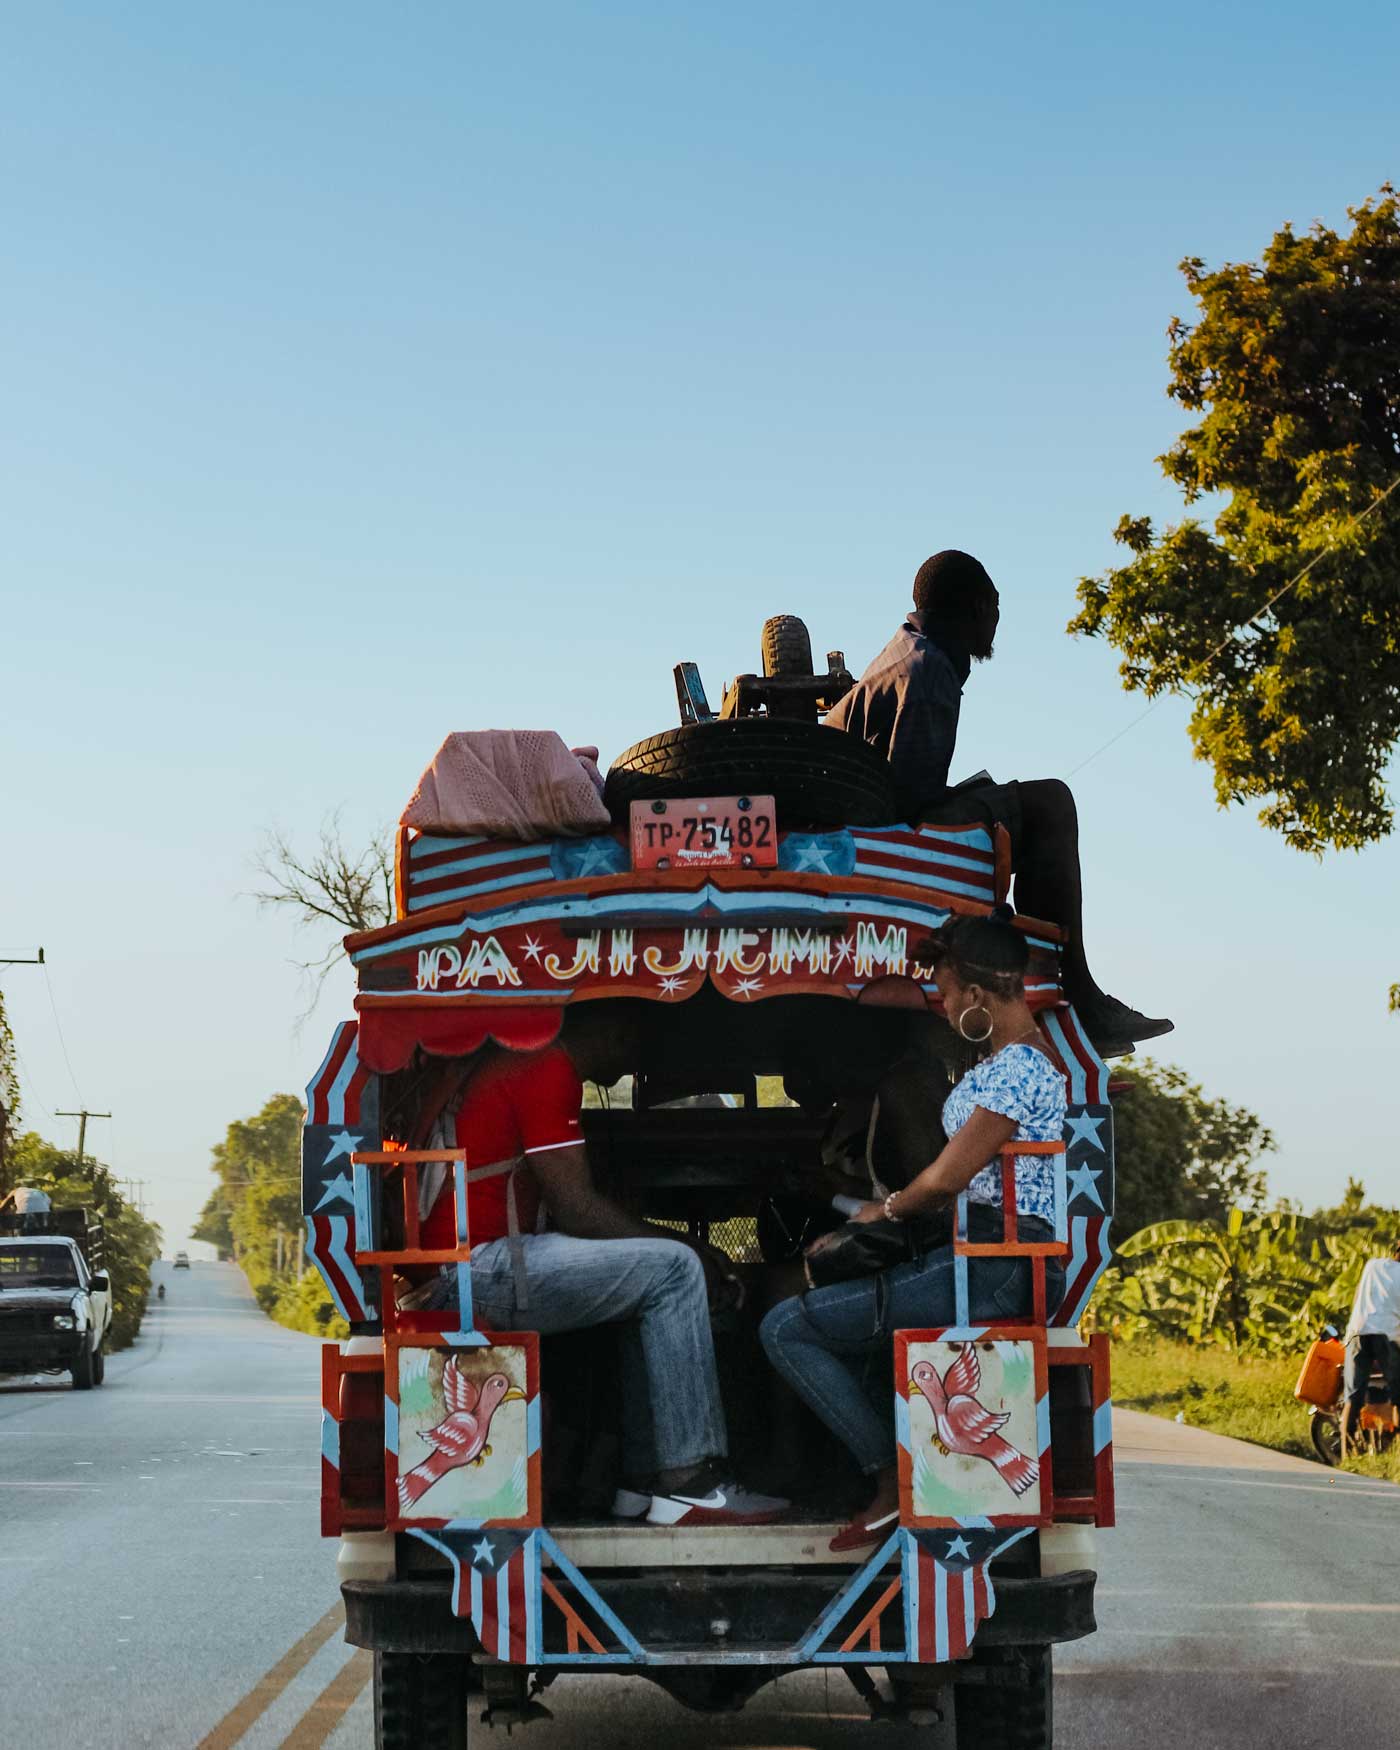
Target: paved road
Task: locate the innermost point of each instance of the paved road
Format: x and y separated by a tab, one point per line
160	1549
162	1581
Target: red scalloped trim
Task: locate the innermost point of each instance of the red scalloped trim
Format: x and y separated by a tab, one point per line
389	1037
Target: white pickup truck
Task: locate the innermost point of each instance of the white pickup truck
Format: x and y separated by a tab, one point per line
55	1298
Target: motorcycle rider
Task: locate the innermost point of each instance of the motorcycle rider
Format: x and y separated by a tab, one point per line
1372	1339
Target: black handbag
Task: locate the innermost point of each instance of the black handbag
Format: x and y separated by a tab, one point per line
865	1248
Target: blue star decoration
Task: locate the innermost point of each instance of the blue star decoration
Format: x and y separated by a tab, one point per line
344	1144
569	859
959	1550
1085	1129
827	853
1083	1182
338	1190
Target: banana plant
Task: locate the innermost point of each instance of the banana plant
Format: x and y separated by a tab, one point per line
1248	1281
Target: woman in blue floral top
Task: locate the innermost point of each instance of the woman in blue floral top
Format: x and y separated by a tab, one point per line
822	1341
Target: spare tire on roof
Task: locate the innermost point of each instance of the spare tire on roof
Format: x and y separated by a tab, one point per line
818	777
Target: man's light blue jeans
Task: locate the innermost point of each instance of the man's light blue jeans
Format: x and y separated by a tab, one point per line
671	1410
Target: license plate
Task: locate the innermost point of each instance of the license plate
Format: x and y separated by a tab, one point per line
705	832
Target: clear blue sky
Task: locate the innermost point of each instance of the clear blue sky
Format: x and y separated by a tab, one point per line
372	372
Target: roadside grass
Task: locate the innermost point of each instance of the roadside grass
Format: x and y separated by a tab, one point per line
1247	1397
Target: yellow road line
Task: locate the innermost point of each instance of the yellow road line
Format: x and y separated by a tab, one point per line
271	1684
331	1705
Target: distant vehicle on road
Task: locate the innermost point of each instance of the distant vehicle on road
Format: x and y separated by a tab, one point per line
182	1260
55	1297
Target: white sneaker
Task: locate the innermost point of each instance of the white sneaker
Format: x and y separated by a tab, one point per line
728	1504
630	1504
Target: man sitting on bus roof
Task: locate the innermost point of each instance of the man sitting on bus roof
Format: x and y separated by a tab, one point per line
519	1124
906	704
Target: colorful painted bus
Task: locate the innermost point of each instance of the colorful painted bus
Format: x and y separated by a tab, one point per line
770	976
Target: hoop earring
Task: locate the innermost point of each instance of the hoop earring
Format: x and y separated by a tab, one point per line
975	1038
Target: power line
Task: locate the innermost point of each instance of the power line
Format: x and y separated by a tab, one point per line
1234	631
64	1043
29	1081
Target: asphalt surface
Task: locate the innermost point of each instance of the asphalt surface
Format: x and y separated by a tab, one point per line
162	1581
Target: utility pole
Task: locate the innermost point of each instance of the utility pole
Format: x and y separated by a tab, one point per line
82	1118
31	962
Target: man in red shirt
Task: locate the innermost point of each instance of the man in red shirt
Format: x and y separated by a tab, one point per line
519	1123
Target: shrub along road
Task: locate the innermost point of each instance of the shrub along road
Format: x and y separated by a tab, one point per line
162	1581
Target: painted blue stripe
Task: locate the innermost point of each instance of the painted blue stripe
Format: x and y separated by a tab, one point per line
335	1099
534	1592
909	1574
1078	1084
940	1615
339	1249
476	1602
912	880
975	1522
391	1425
459	1186
848	1594
324	1275
1103	1426
604	1610
540	1657
517	854
464	1525
560	993
425	902
1042	1423
1071	1315
364	1207
426	843
680	908
901	1421
330	1438
311	1085
532	1426
503	1613
917	854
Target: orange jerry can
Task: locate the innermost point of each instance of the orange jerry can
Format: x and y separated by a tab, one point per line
1320	1381
1385	1418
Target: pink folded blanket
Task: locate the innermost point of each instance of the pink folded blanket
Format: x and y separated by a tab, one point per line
509	784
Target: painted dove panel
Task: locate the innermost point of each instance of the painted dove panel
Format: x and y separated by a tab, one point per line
464	1435
973	1430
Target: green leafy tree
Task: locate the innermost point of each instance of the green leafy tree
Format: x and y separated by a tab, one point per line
1180	1154
9	1092
132	1242
255	1209
1293	365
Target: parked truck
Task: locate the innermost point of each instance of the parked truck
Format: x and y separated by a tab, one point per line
759	902
55	1296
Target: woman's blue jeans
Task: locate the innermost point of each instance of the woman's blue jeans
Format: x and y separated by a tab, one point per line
834	1345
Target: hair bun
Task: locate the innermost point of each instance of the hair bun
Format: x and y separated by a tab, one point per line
1002	913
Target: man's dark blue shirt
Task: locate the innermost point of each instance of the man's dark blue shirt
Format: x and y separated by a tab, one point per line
906	705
